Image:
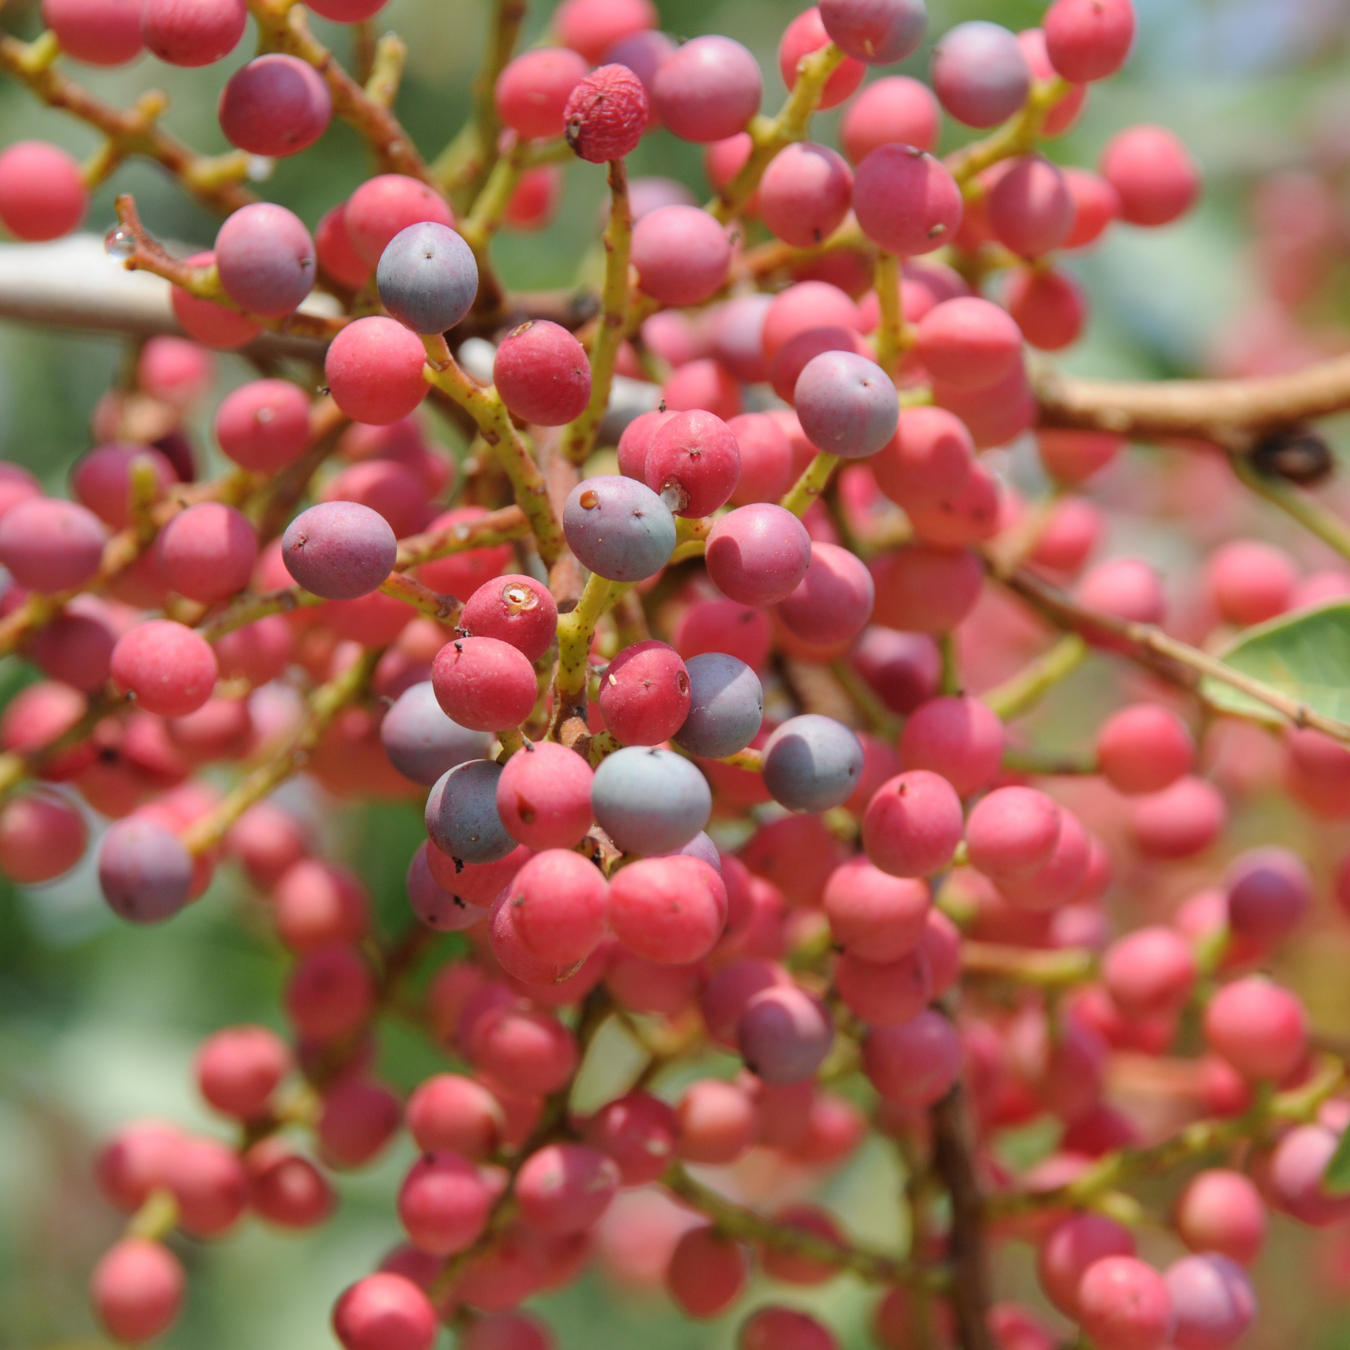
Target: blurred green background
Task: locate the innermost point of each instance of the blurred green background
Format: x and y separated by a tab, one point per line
98	1021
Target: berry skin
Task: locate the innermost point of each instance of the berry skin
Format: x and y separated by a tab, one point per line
644	694
1269	894
681	253
483	683
606	114
544	796
461	814
41	193
804	194
263	425
1124	1304
1030	209
915	1063
707	1272
170	669
905	201
385	1312
137	1290
275	105
565	1188
427	277
1074	1245
265	259
1149	972
980	74
912	825
1012	833
383	206
707	90
50	545
559	901
542	374
618	528
593	27
533	91
758	554
1088	39
339	550
374	370
959	738
1153	173
784	1035
443	1204
875	32
966	342
1144	748
693	461
192	32
210	323
812	763
1222	1211
99	32
726	706
207	552
892	110
668	910
847	405
41	837
238	1069
1259	1028
1213	1302
421	741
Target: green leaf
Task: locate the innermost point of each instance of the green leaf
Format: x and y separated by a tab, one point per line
1305	657
1336	1179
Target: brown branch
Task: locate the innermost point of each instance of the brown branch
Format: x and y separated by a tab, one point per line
1166	656
953	1160
133	131
1227	412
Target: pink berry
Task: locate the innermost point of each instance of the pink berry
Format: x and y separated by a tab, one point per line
592	27
1074	1245
385	1312
1295	1176
565	1188
1012	833
707	1272
887	993
606	114
532	92
544	796
670	910
483	683
1048	306
1250	581
718	1122
681	254
558	906
207	552
42	195
210	323
915	1063
967	342
1221	1211
1144	748
784	1329
384	206
275	105
1179	822
100	32
757	554
170	669
542	374
1153	173
443	1204
707	90
1124	1304
1149	972
264	425
912	825
374	370
1088	39
50	545
1258	1027
192	32
137	1290
905	200
1030	209
784	1035
959	738
804	194
41	837
639	1132
980	74
1213	1302
644	694
238	1069
890	111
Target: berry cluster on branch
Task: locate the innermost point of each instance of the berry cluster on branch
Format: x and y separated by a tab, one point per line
681	654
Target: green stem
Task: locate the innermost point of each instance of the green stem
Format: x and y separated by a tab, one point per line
891	329
811	484
1309	512
1015	137
579	436
770	135
1023	691
500	434
575	631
